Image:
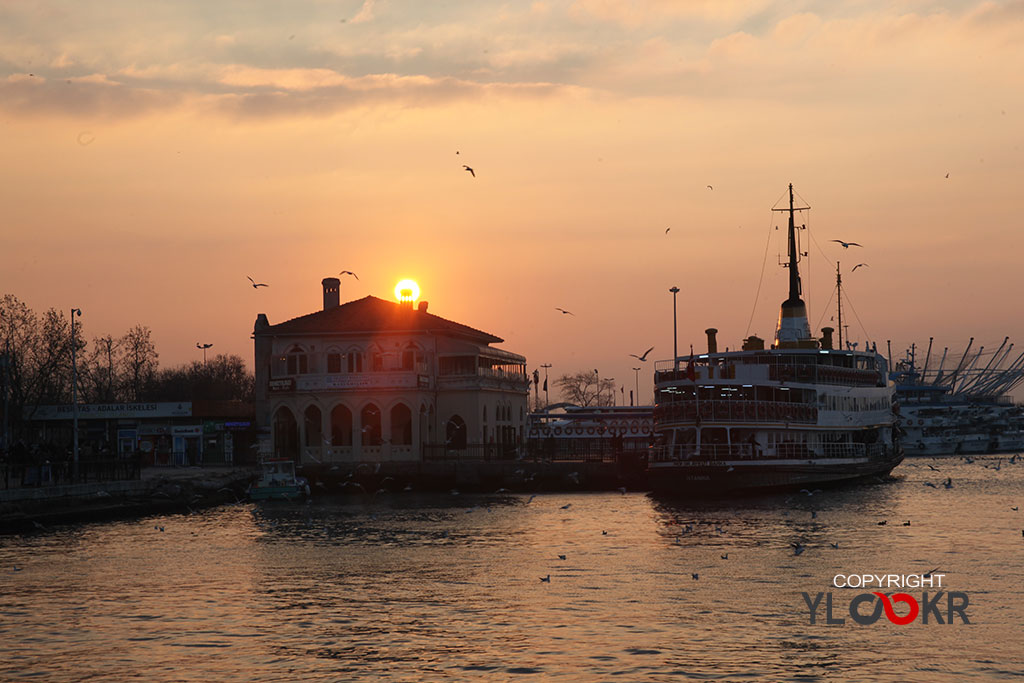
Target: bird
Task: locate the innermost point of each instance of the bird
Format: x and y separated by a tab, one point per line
847	245
530	499
813	514
710	188
566	506
928	483
1015	508
622	490
933	467
564	312
929	573
349	272
835	545
561	557
858	266
883	522
695	576
906	523
643	358
797	548
947	175
256	284
471	172
17	569
546	579
605	533
948	483
667	229
726	556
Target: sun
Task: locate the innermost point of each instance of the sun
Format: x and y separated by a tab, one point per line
407	290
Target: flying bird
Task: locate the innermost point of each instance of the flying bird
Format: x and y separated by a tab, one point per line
470	170
643	358
710	188
256	284
847	245
349	272
564	312
947	175
858	266
667	229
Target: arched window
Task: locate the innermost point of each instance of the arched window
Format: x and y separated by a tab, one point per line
410	356
455	433
312	426
355	360
296	361
335	361
369	420
341	426
286	434
401	425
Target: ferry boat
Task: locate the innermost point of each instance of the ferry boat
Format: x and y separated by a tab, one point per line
278	481
797	415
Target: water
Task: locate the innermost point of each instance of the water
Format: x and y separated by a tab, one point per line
442	587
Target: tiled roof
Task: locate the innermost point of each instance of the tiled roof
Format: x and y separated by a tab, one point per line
371	314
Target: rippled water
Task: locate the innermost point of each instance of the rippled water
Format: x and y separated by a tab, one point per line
418	587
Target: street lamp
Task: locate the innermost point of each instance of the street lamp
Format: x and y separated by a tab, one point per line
74	391
547	398
636	371
675	332
597	379
203	347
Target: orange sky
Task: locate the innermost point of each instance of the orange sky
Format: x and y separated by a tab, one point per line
154	160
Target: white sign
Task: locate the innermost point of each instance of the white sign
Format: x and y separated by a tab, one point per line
108	411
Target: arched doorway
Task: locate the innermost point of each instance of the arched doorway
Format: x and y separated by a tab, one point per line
455	433
369	420
286	434
341	426
401	425
313	427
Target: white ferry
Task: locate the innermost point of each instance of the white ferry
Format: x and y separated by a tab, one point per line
798	414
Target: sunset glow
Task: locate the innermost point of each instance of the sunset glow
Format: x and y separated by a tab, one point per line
407	290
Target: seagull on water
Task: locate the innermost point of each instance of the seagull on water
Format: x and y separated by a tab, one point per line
643	358
797	548
256	284
566	506
847	245
835	545
471	172
948	483
695	576
546	579
561	557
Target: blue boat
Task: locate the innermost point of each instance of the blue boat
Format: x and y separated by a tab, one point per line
278	482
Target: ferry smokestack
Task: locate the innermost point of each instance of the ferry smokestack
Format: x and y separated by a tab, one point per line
422	308
826	338
332	295
712	342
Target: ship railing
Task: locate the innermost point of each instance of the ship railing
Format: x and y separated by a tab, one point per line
736	411
779	371
683	453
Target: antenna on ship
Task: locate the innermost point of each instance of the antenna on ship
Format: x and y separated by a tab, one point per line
839	303
793	330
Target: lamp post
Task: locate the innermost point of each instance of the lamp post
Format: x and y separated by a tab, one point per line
636	372
597	379
203	347
74	392
547	399
675	332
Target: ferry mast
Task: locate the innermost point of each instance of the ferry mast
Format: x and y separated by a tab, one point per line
793	331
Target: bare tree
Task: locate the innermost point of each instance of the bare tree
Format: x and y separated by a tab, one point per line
222	378
138	363
582	389
100	381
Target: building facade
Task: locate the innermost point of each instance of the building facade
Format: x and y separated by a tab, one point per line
374	380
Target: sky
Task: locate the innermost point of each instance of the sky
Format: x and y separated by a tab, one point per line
156	156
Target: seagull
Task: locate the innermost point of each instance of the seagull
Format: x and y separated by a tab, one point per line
947	175
470	170
847	245
695	576
605	533
929	573
858	266
546	579
933	467
835	545
1015	508
561	557
667	229
928	483
906	523
256	284
726	556
797	548
710	188
564	312
530	499
882	523
349	272
948	483
566	506
643	358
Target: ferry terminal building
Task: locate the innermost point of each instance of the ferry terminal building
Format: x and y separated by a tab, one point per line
374	380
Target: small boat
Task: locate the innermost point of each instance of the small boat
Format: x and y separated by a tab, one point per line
278	482
799	414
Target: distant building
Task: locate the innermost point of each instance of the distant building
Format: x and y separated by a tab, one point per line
374	380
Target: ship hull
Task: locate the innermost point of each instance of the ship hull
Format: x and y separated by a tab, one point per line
712	479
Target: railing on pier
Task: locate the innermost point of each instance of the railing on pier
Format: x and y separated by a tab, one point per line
17	475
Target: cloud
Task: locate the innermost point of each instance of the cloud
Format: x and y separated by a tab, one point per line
365	13
84	96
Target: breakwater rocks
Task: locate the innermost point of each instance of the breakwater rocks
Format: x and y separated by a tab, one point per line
157	491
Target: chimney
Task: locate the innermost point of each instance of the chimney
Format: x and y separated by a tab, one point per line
826	338
712	342
422	308
331	294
